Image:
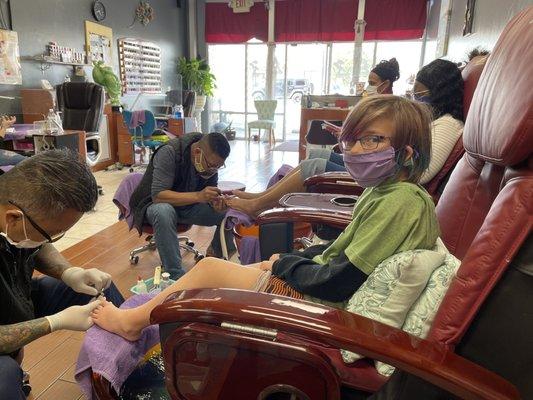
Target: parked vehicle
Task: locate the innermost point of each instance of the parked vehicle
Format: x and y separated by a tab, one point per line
296	88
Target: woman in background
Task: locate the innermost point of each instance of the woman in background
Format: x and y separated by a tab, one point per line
440	85
382	77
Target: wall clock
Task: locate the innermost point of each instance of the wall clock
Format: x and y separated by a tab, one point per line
99	12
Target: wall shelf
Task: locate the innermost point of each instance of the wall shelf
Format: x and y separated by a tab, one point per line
45	62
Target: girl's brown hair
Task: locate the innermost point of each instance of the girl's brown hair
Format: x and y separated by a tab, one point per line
412	127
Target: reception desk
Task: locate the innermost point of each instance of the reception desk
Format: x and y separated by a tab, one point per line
310	114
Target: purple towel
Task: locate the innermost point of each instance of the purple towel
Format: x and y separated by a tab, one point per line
123	194
137	118
21	130
6	168
249	251
249	246
234	217
279	175
112	356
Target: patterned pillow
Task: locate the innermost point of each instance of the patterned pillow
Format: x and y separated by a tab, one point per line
420	317
392	288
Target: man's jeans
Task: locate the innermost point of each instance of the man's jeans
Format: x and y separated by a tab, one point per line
49	296
165	218
10	158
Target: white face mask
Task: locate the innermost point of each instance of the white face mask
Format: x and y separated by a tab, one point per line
373	89
25	243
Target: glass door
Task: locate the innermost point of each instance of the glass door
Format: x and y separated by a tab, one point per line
256	72
306	73
228	102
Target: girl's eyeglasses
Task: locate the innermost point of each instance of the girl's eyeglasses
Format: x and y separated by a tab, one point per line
369	142
50	239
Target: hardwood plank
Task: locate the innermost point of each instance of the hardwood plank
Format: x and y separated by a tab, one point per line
68	376
55	364
40	348
63	390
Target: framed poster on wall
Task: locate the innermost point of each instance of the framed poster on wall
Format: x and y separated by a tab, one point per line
98	41
10	69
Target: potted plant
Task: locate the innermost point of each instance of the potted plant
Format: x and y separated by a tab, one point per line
104	75
229	132
196	76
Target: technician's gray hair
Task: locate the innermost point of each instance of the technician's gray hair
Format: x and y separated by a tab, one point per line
49	183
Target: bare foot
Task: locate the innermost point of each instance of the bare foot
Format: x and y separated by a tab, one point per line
116	320
247	206
246	195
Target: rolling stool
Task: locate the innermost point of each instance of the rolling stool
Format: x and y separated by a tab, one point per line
26	388
185	243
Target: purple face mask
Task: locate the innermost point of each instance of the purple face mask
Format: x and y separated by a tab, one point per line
370	169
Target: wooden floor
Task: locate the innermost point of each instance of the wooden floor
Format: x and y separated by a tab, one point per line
51	359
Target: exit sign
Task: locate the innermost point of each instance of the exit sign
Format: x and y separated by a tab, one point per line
241	6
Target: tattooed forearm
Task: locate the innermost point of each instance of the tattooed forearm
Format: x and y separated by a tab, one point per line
50	261
13	337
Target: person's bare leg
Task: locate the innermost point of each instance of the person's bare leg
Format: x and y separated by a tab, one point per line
248	195
293	182
208	273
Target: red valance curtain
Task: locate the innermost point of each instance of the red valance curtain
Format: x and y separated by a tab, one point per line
333	20
222	25
395	19
317	21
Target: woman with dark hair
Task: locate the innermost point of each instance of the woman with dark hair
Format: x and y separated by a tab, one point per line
440	85
382	76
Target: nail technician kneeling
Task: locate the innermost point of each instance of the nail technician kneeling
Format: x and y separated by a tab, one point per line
40	199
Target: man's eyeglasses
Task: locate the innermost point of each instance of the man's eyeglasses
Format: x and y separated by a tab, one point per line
369	142
211	167
49	239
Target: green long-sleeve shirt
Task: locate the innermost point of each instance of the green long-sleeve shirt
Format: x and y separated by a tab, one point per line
387	219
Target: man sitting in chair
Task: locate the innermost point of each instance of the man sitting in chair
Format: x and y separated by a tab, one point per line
180	187
42	198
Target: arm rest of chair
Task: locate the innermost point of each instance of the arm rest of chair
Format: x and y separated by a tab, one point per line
331	177
333	182
303	214
430	361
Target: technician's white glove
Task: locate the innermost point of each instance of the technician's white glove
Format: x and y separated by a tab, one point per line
75	318
89	281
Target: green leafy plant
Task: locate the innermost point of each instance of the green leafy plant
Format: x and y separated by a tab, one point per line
104	75
197	76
